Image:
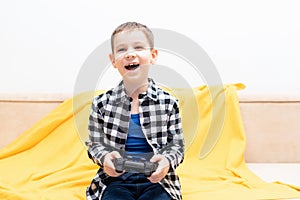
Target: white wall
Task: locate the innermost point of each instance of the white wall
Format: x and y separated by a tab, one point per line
44	43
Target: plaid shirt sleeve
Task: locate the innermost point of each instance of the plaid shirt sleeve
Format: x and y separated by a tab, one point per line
174	152
96	147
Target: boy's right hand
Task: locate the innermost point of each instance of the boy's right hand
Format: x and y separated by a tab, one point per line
108	165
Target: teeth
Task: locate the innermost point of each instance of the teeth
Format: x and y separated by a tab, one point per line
131	66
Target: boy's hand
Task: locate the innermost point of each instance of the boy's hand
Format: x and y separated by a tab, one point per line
162	169
108	165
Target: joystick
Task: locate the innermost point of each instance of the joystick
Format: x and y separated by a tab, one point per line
131	165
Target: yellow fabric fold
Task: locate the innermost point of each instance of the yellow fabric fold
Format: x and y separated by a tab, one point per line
49	161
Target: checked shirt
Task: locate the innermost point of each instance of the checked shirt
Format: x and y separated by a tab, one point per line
160	123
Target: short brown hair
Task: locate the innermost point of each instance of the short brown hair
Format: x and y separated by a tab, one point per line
130	26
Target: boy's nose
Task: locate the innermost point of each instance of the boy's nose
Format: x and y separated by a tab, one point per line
130	54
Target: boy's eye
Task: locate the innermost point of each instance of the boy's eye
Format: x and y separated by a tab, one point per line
139	47
121	50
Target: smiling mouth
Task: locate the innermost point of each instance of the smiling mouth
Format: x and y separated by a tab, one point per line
132	66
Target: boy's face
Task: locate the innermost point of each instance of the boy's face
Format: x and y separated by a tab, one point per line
132	54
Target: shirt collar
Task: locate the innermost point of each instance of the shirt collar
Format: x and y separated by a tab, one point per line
120	94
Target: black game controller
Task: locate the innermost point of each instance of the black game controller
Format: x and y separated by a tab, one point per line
139	166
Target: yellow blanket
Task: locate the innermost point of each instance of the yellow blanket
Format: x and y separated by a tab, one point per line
49	161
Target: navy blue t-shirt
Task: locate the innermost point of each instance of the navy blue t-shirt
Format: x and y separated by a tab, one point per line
136	143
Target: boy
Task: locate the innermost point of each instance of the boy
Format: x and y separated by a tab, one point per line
135	120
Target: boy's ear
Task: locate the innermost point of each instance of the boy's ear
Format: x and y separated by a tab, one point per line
154	54
112	59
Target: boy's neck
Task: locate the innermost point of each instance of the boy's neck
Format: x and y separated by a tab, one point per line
133	89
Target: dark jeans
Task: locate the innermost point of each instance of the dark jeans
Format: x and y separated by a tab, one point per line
134	187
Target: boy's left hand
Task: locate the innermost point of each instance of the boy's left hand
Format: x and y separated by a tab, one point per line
162	169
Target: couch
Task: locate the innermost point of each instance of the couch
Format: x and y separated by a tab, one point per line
270	123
